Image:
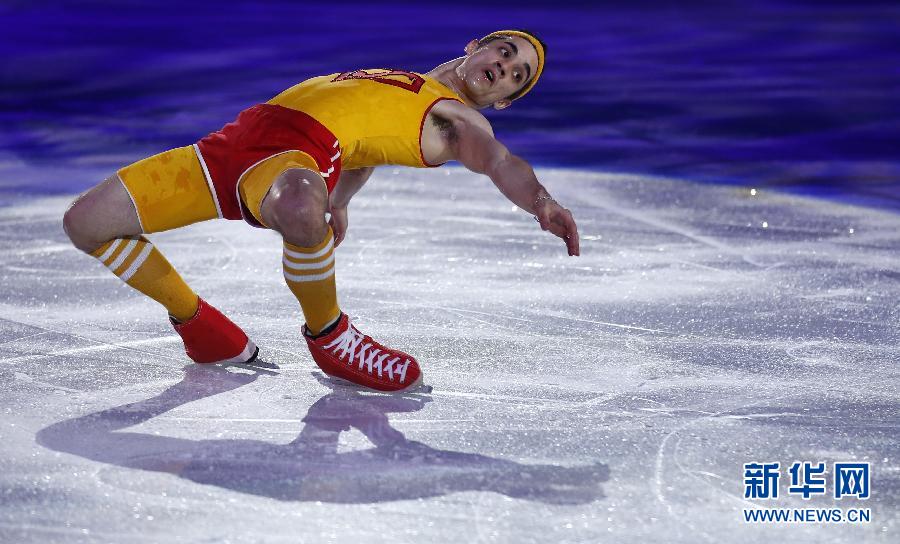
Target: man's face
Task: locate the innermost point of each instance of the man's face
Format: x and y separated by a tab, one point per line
497	69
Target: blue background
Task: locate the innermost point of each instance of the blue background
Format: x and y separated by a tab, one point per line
802	96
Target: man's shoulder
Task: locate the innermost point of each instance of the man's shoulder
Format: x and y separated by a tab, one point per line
453	112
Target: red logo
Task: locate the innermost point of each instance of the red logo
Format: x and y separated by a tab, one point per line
398	78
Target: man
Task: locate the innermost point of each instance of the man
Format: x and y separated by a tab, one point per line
283	164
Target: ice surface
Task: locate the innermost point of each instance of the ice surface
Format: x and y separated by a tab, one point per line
611	397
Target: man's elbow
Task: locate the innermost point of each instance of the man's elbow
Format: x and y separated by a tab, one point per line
496	165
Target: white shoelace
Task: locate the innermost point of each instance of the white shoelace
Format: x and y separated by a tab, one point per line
351	344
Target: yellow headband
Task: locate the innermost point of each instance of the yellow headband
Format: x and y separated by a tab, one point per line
537	47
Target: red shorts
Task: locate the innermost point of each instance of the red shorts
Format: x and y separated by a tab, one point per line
259	133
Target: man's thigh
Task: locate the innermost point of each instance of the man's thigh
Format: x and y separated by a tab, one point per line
169	190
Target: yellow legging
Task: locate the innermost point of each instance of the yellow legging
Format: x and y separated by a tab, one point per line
169	190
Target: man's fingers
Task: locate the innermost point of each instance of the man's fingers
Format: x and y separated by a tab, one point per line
564	226
337	231
561	224
572	240
572	245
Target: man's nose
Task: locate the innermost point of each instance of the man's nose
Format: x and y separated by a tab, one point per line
501	69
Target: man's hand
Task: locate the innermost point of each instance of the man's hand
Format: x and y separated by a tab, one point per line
348	184
559	221
338	223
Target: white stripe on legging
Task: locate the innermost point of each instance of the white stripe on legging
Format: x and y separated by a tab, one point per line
310	256
311	266
122	256
137	262
311	277
209	180
110	250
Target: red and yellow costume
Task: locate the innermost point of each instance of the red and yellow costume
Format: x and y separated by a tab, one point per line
325	124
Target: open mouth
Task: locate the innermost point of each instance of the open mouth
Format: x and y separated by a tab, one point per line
489	75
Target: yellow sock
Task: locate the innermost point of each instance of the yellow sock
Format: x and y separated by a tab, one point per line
309	273
139	264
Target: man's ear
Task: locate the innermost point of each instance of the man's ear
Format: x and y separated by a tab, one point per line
502	104
471	47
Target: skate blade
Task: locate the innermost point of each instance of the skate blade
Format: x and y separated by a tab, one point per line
257	365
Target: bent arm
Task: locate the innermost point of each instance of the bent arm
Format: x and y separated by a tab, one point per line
350	182
473	144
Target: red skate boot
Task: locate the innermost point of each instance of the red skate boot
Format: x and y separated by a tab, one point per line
210	337
347	353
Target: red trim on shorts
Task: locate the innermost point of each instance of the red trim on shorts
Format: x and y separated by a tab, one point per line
260	132
422	128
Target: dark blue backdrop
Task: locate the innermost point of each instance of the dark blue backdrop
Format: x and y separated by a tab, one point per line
799	95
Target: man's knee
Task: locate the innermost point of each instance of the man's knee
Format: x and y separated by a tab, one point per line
76	223
296	203
99	215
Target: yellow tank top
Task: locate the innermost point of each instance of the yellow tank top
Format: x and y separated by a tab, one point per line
377	115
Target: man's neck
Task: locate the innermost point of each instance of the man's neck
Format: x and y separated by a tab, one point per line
446	74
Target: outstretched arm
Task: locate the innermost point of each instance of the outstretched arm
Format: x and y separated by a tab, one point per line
350	182
473	144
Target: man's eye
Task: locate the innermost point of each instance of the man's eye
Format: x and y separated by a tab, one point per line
505	52
517	76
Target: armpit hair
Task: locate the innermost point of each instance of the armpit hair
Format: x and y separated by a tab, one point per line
445	126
